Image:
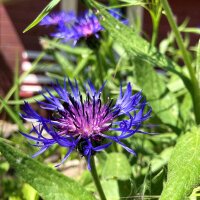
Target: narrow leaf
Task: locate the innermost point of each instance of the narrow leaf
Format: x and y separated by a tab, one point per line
15	117
67	48
38	97
45	12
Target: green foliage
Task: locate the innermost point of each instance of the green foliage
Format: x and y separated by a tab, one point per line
183	168
45	12
49	183
29	193
116	167
198	63
161	99
15	117
134	44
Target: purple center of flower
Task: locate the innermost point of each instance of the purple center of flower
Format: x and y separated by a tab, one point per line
88	26
87	31
88	118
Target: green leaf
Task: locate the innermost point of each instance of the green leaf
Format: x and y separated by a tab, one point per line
4	167
78	51
159	161
38	97
133	43
45	12
22	77
64	63
12	113
184	167
185	109
29	193
80	66
16	80
111	189
198	63
163	102
50	184
132	3
117	167
192	30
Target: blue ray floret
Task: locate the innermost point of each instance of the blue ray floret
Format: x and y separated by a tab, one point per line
86	123
84	26
71	28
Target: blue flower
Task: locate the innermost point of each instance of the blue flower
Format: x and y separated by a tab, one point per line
58	18
85	123
83	27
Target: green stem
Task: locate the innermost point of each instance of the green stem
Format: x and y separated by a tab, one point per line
22	77
154	34
96	179
156	21
100	69
186	58
100	66
16	80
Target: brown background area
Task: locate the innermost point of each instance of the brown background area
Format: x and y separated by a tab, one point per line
182	10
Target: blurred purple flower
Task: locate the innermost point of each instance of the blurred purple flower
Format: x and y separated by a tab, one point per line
83	27
57	18
73	29
85	124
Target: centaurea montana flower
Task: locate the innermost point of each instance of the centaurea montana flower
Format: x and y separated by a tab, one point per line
83	27
86	124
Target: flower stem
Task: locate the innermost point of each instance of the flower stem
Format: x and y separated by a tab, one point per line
186	58
155	21
100	69
100	66
96	179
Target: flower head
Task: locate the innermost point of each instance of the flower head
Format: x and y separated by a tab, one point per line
85	27
85	123
82	27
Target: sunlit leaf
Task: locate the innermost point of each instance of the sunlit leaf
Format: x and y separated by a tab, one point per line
133	43
50	184
184	167
29	193
163	102
116	167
